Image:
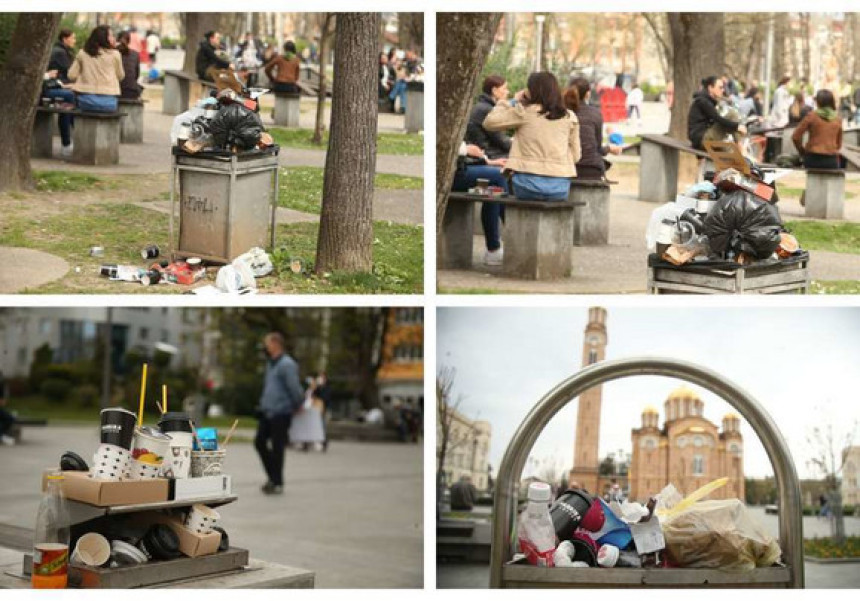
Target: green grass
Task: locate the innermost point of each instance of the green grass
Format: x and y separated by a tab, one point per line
823	235
386	142
66	181
469	291
825	548
797	192
300	188
835	287
398	262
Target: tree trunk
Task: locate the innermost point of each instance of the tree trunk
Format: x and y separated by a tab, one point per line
22	72
346	227
698	49
657	23
410	31
319	123
855	47
196	24
780	30
805	49
463	41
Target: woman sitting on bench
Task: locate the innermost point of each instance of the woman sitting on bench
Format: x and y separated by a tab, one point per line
97	71
825	134
546	146
591	165
283	70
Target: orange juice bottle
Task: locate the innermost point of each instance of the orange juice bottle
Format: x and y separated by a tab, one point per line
51	544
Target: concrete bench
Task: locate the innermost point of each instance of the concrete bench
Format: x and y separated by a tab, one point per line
658	166
181	90
591	213
414	106
131	126
538	236
825	193
96	136
286	111
17	429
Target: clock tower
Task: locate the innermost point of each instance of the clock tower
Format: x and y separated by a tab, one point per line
585	457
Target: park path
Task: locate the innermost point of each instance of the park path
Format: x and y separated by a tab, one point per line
354	515
620	267
153	156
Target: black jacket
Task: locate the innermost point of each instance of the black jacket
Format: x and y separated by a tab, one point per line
590	136
703	114
494	143
206	58
61	60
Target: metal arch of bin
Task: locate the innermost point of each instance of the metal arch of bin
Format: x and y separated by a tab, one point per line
505	496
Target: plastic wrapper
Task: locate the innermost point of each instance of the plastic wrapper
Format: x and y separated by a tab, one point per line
718	534
741	223
670	211
235	125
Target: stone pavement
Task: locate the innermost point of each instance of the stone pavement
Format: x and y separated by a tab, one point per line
354	515
27	268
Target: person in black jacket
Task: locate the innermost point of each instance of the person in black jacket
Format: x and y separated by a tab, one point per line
56	86
209	57
704	114
496	144
63	54
591	164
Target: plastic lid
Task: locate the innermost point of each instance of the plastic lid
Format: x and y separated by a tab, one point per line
540	491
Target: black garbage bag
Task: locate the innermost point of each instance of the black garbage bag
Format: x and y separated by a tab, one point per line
742	223
235	125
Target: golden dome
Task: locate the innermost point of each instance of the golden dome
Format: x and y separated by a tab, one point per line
682	394
650	409
732	415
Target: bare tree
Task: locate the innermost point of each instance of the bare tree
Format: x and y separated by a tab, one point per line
658	24
345	240
780	34
196	24
21	74
326	30
463	41
698	50
829	459
447	408
411	31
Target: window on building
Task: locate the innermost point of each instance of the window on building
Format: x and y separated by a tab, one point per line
22	356
592	356
44	326
734	448
143	334
698	465
698	441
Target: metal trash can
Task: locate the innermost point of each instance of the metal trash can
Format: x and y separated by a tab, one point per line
226	201
505	573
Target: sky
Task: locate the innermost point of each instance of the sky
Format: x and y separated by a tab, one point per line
801	364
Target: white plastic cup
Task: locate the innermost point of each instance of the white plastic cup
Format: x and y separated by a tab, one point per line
202	519
92	550
144	471
177	464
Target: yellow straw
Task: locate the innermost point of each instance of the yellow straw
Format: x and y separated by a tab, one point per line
163	398
142	396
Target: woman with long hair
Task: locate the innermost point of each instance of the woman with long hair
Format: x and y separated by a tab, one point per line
97	71
129	88
545	146
821	150
591	165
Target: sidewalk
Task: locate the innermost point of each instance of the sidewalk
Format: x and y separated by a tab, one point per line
353	515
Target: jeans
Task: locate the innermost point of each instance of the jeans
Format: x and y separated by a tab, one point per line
97	103
277	430
631	109
528	186
399	91
492	213
65	121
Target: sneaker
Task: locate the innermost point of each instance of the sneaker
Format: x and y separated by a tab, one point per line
8	441
66	151
494	257
273	489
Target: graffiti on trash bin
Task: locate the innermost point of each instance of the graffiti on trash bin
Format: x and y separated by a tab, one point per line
198	204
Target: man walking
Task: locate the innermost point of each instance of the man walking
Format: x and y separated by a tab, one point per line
282	396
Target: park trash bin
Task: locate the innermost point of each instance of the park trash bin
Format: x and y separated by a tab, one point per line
226	203
787	569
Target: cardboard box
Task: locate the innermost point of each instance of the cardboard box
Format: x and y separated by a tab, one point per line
207	487
78	486
190	543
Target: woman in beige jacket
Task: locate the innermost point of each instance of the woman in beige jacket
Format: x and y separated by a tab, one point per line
97	71
545	146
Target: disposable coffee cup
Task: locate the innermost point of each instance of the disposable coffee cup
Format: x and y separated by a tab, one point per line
175	421
108	271
149	252
92	549
117	427
150	445
206	463
110	462
150	277
202	519
144	471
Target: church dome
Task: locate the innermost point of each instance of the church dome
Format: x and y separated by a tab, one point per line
731	415
651	409
683	393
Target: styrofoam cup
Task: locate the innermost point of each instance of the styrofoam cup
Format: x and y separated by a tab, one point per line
92	550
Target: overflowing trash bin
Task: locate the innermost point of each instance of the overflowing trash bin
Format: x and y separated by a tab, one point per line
666	540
